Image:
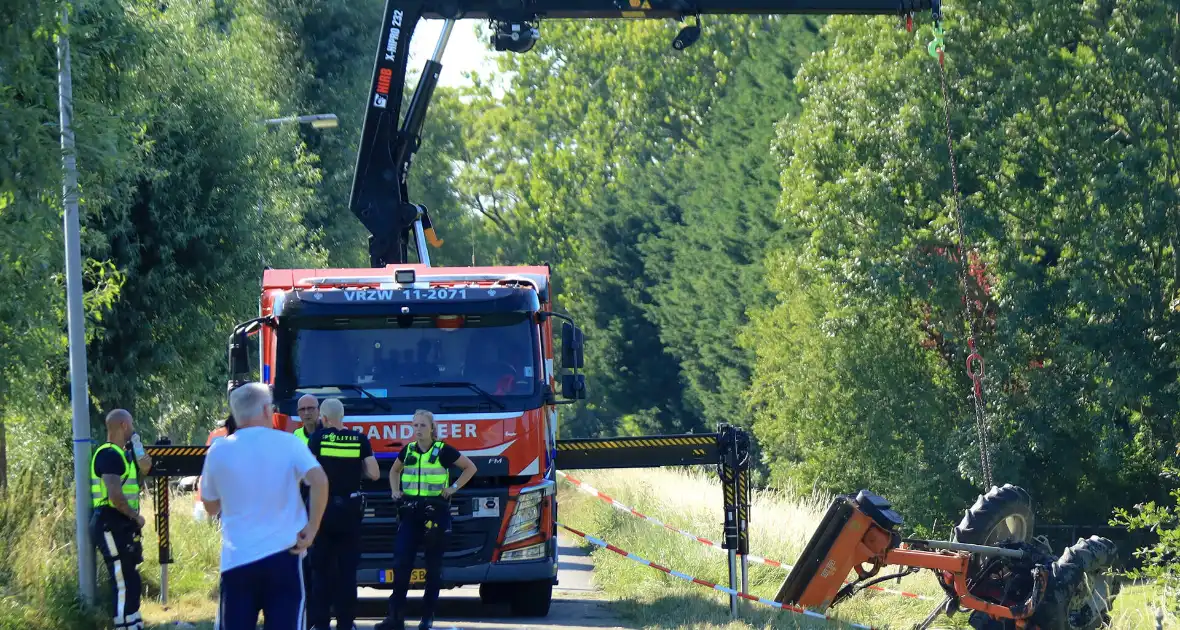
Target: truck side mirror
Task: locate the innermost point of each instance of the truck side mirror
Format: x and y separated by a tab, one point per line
239	358
573	386
571	347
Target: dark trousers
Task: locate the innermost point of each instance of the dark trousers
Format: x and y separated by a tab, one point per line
273	586
333	559
308	578
118	540
420	526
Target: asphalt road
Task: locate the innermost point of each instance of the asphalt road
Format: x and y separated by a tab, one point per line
577	605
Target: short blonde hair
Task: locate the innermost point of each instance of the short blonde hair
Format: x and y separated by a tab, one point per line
332	409
426	415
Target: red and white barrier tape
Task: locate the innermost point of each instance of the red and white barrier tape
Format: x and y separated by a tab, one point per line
589	489
716	546
717	587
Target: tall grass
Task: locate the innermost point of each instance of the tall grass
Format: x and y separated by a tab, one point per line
193	574
780	525
38	562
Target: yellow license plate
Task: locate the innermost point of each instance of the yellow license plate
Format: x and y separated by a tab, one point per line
417	576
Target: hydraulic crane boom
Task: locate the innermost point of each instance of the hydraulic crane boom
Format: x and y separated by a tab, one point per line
380	198
610	9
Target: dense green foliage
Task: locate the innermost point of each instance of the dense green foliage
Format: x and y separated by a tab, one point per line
1160	559
1075	224
758	229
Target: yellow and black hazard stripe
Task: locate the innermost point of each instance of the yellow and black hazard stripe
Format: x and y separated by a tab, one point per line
178	461
176	451
638	452
691	440
163	534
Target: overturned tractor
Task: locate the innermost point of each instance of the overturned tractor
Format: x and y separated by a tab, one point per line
992	568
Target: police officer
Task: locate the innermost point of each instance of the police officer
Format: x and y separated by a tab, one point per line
345	454
309	413
419	479
115	522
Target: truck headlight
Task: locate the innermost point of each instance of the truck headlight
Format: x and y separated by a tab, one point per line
526	518
532	552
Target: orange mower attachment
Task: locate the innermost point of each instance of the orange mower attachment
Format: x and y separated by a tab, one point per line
1008	584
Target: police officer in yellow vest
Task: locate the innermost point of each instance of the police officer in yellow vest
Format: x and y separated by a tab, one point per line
309	413
115	522
419	479
345	455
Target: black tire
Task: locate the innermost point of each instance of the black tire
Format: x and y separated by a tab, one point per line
1080	593
1004	514
494	593
531	599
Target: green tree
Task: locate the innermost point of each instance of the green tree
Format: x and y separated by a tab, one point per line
29	168
1072	219
330	48
213	198
845	397
707	258
594	114
32	284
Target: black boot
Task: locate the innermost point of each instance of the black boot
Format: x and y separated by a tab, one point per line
392	622
427	623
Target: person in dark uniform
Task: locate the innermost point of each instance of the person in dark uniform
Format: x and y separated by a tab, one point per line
419	479
115	522
345	455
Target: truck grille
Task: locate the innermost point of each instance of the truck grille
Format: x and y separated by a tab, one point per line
470	541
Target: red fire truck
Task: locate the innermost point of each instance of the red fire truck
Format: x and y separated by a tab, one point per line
473	346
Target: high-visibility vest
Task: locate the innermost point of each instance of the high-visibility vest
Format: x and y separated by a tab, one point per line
130	477
302	434
341	445
422	474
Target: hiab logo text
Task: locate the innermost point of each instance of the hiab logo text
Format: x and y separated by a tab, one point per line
385	75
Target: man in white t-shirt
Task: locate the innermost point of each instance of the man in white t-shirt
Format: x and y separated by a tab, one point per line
252	479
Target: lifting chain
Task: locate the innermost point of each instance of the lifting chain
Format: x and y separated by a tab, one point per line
974	359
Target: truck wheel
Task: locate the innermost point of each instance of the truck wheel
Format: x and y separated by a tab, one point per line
493	593
1003	514
532	599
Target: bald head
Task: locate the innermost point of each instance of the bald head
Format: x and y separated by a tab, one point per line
309	412
119	426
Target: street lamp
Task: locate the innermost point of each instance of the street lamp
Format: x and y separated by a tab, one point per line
318	121
75	317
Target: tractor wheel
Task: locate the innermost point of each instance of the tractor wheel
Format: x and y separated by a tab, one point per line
1002	515
1080	595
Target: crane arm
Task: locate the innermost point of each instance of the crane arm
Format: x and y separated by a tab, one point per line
508	10
380	198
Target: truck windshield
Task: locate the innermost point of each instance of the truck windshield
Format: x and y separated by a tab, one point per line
396	357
